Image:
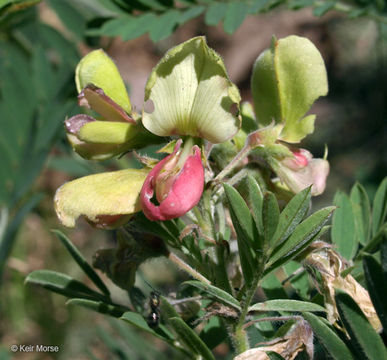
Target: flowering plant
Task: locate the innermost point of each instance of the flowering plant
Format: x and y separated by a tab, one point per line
229	205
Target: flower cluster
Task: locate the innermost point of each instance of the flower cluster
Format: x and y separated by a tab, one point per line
192	97
194	104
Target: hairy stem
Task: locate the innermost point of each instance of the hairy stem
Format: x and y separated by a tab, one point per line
234	162
187	268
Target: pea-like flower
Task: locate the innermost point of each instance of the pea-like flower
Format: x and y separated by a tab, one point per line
301	170
192	97
175	185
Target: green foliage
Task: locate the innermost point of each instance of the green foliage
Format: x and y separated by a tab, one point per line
363	337
356	229
159	19
36	73
328	338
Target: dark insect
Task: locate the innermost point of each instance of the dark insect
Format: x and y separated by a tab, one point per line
154	303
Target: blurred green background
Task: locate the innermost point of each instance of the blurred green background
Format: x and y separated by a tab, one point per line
40	45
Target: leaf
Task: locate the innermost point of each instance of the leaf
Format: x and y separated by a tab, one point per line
343	226
98	306
292	215
301	236
379	209
190	13
273	288
256	201
243	217
163	25
299	278
81	261
214	291
286	80
376	285
332	343
244	226
9	237
128	27
42	75
324	8
235	15
213	332
258	6
215	13
70	17
53	39
286	305
364	338
362	213
191	339
62	284
270	217
138	321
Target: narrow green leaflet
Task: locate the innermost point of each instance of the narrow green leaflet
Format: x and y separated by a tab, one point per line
214	291
235	15
286	305
245	228
8	239
81	261
292	215
324	8
328	338
70	16
343	226
190	13
215	13
273	288
379	210
364	338
213	332
255	200
138	321
376	285
270	217
302	235
362	213
62	284
98	306
243	217
299	278
163	25
191	339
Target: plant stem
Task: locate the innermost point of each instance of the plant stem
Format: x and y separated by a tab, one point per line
240	340
234	162
239	328
184	266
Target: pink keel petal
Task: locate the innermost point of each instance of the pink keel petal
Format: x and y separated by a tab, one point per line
185	192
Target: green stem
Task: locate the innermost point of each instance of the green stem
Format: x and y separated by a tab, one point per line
218	255
187	268
239	328
240	340
234	162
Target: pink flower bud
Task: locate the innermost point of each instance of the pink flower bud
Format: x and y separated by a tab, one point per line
299	161
301	171
175	184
